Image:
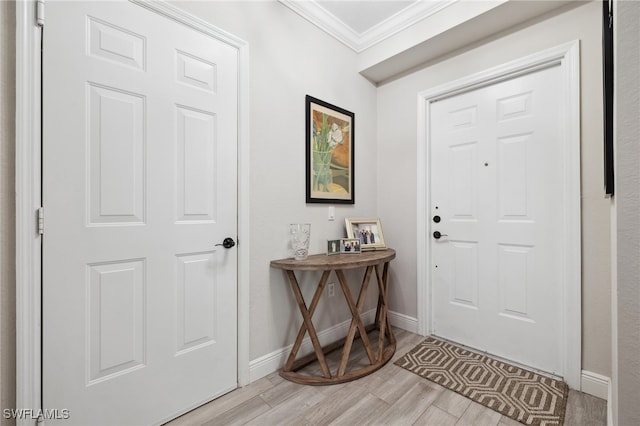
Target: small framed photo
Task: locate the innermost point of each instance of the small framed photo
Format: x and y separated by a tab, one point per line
368	231
333	247
350	246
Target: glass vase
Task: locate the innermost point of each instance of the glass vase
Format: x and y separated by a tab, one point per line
300	234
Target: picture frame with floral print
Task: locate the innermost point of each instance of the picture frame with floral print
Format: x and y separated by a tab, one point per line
329	153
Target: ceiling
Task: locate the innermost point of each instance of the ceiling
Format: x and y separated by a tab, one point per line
360	24
430	29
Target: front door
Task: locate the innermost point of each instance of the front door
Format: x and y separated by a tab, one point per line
139	184
496	179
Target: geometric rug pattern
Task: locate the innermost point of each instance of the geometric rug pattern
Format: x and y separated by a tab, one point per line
522	395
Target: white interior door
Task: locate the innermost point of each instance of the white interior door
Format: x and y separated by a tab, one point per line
139	170
496	179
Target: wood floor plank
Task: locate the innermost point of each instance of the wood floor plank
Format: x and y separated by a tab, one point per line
291	410
436	416
225	403
366	411
507	421
336	403
283	391
453	403
275	378
240	414
396	383
477	414
584	410
408	408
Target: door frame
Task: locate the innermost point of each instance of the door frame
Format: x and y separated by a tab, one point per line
567	57
29	194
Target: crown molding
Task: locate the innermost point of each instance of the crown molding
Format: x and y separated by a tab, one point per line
328	22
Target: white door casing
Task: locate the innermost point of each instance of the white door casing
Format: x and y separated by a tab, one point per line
565	220
141	199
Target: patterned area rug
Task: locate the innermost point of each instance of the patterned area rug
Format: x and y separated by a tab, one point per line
520	394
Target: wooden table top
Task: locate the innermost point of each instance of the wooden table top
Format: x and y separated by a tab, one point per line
323	262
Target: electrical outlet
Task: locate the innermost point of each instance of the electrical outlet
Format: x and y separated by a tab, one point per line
331	289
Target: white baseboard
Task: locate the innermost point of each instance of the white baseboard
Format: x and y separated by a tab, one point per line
267	364
595	384
403	321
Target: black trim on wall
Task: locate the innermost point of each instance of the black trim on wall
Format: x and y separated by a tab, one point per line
607	65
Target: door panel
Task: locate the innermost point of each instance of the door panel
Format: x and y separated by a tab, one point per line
495	173
465	274
139	169
117	186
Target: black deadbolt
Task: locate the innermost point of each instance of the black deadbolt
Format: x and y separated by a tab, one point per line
436	219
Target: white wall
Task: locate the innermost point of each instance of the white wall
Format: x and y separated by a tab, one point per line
397	135
290	58
626	315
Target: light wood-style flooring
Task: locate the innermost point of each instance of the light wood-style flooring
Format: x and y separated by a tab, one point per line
390	396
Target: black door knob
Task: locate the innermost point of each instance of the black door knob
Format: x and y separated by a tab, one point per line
227	243
437	235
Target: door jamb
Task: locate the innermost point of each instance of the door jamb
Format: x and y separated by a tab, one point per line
28	200
29	191
567	56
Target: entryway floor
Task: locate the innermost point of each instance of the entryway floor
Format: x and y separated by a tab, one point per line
391	395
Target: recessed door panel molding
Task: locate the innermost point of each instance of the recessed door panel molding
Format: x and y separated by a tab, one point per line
464	289
116	316
116	146
196	72
196	301
463	162
515	106
514	177
108	41
515	265
196	169
464	118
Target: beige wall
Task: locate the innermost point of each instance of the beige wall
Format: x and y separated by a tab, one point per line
7	207
626	311
283	70
397	177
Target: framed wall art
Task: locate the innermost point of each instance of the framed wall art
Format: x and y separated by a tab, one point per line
368	231
329	152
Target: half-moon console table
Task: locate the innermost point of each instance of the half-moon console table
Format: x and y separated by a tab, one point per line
375	263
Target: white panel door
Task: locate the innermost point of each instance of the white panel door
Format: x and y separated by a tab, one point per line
139	166
496	187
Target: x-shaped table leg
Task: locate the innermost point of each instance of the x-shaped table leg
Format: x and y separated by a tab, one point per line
356	321
308	324
383	320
